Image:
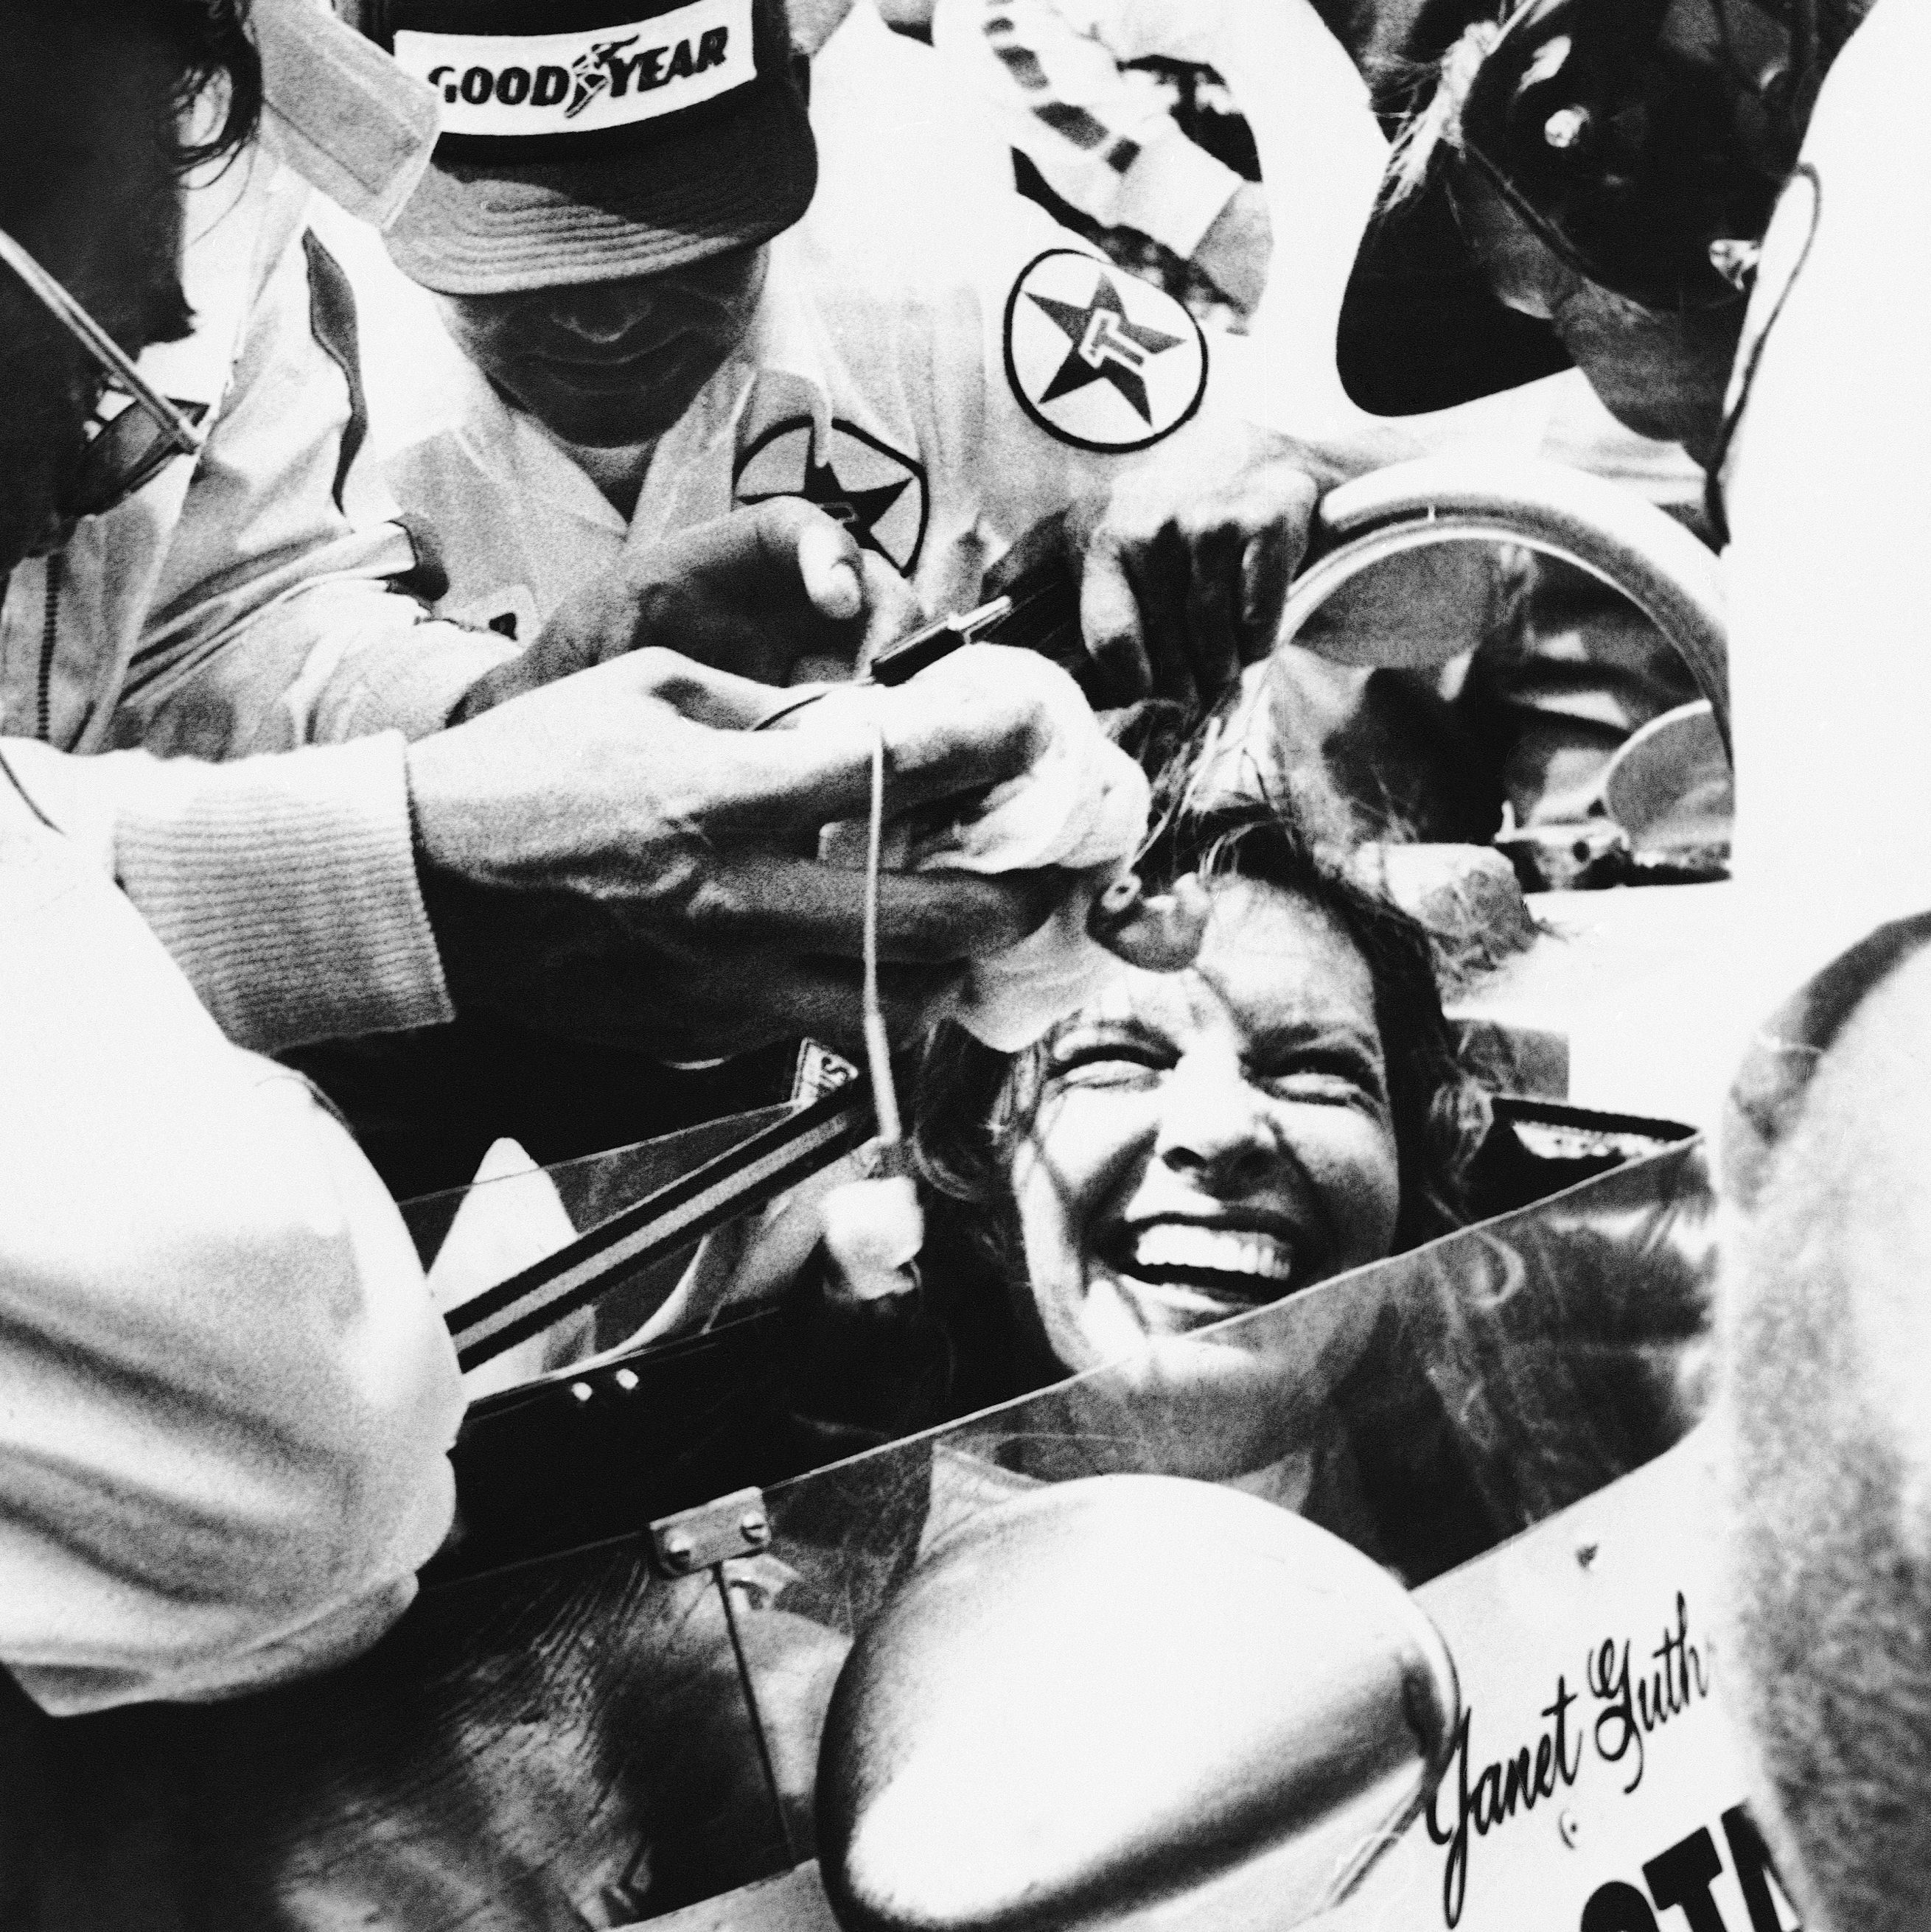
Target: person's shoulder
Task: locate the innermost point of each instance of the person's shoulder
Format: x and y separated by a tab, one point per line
1870	96
421	388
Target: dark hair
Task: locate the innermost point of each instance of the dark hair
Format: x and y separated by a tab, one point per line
211	49
970	1103
212	39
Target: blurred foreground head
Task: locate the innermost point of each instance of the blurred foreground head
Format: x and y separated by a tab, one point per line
1827	1170
108	103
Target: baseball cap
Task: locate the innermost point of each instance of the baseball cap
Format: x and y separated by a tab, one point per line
589	140
1642	141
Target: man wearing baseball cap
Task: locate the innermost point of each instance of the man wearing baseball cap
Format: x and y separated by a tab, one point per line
609	228
1649	191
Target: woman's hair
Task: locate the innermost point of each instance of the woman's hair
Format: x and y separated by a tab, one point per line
216	53
216	100
1433	126
971	1105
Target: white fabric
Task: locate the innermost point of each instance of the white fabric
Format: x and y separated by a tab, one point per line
236	606
1081	806
913	359
1829	499
901	135
224	1397
339	111
1050	71
511	1218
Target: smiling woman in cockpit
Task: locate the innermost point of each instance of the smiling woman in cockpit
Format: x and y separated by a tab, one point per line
1188	1146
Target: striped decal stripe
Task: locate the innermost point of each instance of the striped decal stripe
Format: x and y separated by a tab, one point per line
739	1179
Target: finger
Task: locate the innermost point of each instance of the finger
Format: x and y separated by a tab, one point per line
1214	587
774	903
942	740
1267	560
699	692
829	565
1109	621
825	999
1161	567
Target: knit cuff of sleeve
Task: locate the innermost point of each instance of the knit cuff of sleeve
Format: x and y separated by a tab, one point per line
285	888
1175	192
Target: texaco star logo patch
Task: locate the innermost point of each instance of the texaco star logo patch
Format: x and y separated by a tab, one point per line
1097	357
877	493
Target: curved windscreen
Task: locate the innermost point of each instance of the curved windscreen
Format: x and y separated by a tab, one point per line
586	1741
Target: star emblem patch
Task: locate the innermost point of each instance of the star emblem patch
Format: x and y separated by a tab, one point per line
877	493
1099	358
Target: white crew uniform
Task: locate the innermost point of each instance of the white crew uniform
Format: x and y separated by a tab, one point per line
245	603
225	1398
225	1395
1053	71
891	403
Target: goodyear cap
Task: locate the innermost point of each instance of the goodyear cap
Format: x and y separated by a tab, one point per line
595	139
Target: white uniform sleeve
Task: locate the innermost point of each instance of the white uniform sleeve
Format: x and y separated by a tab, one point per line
284	886
225	1401
1103	138
282	614
1025	469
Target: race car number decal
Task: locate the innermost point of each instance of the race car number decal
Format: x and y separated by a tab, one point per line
1098	359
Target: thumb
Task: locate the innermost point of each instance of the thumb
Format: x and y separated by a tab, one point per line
830	567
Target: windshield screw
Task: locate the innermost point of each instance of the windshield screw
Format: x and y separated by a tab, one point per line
1566	128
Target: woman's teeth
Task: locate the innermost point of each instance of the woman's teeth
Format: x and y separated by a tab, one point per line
1177	1248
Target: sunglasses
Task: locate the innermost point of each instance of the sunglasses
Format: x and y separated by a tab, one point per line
133	431
1644	142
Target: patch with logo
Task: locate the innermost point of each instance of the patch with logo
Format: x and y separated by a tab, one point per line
877	493
510	84
1097	357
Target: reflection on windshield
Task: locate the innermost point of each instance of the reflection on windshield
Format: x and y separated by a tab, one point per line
1425	1408
575	1743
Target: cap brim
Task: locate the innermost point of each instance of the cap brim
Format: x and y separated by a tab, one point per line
1420	329
741	178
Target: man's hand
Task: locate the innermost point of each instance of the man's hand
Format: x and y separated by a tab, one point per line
1185	561
1185	558
763	592
617	856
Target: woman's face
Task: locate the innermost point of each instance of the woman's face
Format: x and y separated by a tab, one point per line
1208	1141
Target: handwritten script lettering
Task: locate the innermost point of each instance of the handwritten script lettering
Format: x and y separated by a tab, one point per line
1629	1704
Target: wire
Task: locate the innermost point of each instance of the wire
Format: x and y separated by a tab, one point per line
785	708
877	1044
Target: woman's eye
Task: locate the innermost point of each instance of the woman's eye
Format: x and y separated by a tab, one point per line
1330	1084
1108	1064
